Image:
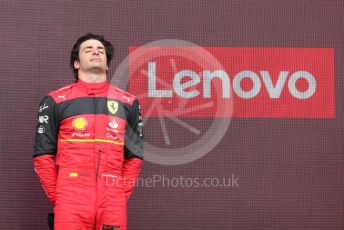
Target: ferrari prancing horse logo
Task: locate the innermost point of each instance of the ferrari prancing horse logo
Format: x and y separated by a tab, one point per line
112	106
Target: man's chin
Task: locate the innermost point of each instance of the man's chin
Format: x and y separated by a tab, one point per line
97	69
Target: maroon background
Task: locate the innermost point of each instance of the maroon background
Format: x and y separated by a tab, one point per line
290	170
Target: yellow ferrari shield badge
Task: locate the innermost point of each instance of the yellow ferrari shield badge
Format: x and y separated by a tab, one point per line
112	106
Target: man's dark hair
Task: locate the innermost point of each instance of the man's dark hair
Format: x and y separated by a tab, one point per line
74	56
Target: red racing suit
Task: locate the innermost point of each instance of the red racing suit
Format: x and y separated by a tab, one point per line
88	154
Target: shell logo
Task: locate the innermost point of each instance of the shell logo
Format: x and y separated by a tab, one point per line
80	123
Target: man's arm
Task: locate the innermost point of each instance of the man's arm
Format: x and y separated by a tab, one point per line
46	171
45	147
131	170
133	149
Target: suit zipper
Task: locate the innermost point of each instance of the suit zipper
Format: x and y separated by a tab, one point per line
99	158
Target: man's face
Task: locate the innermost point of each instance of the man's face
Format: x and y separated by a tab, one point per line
92	57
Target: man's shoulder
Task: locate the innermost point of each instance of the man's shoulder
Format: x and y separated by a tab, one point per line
119	94
61	92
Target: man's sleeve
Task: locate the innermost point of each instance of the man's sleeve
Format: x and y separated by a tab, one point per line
45	146
133	148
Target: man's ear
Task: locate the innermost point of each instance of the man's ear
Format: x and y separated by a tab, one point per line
76	64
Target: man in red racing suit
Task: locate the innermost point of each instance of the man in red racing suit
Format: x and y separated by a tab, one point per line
88	145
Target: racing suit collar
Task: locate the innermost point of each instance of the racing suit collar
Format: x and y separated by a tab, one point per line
92	88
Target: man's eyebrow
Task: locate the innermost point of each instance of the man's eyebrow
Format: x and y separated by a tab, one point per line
90	47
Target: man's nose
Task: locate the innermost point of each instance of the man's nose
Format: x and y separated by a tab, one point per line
95	51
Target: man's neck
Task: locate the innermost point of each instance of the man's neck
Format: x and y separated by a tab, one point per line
92	77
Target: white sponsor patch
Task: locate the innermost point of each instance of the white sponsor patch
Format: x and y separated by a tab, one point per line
113	124
78	134
43	107
40	129
108	135
61	97
43	119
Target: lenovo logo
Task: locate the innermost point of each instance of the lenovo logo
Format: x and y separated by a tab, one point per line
249	82
184	90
